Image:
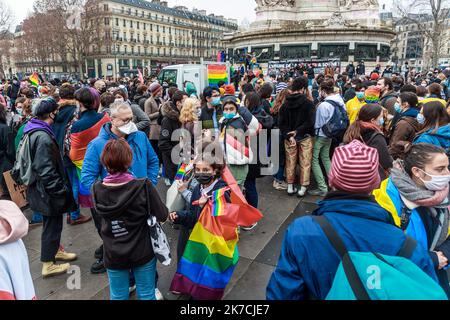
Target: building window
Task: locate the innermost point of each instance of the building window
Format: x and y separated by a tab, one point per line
117	22
124	23
137	25
131	23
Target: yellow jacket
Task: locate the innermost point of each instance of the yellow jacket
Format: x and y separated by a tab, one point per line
444	103
353	106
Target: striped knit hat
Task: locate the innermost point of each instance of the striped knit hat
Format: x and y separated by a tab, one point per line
355	168
372	94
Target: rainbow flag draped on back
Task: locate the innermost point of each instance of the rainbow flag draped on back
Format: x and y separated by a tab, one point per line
211	254
34	78
78	146
217	73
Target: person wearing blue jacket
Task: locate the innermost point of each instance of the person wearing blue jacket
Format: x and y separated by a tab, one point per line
436	129
308	263
145	161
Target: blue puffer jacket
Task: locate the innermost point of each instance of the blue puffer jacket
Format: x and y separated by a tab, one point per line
440	138
145	161
308	262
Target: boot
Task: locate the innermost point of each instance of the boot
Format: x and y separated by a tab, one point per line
65	256
50	269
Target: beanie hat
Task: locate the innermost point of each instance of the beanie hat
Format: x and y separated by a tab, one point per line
374	76
230	90
372	94
355	168
222	91
155	87
42	107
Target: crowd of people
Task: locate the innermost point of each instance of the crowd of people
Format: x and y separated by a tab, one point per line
374	146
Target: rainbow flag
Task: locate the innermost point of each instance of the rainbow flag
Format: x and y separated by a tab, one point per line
78	146
34	78
217	73
218	202
211	254
181	172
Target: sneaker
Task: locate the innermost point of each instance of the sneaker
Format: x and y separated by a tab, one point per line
98	267
132	289
277	185
159	296
167	182
318	193
65	256
99	253
50	269
291	190
81	219
301	193
250	228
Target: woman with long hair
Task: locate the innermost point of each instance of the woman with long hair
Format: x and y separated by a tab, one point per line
189	119
416	195
436	129
279	182
368	128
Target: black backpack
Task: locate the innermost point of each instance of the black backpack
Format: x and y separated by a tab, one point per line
264	119
338	123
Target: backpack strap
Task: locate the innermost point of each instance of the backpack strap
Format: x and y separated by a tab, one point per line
408	248
358	288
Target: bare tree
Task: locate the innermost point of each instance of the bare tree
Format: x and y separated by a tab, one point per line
431	20
6	19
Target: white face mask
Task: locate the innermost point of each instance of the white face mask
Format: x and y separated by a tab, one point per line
119	100
437	183
129	128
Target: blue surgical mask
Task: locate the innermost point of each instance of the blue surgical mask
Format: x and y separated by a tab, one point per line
398	107
420	119
216	102
229	115
360	95
381	122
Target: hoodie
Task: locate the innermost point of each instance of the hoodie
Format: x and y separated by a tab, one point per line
15	277
124	211
297	114
66	116
440	138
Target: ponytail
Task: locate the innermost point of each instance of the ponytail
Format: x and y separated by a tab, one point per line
353	132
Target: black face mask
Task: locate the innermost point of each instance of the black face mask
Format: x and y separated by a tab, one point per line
204	178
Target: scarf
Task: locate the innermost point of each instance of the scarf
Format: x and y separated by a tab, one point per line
436	202
421	197
369	126
118	178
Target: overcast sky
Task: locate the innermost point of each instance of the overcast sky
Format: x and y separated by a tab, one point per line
237	9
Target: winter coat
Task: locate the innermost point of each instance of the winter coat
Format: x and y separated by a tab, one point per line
361	69
377	140
350	70
15	276
170	123
50	193
440	138
421	226
353	106
13	91
140	99
67	113
308	263
188	218
297	114
152	108
7	154
403	131
124	211
141	119
145	161
207	114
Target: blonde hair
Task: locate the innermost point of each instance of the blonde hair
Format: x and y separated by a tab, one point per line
188	112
